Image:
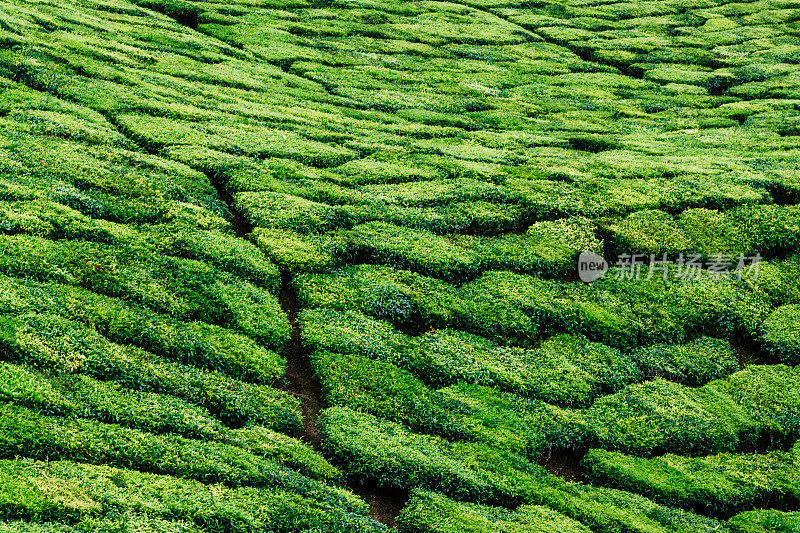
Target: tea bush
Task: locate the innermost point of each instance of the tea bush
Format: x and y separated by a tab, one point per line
764	229
781	335
107	402
550	248
47	341
27	434
563	370
370	448
101	495
415	250
608	510
719	484
769	394
763	521
530	428
522	309
350	332
383	390
182	288
293	252
429	512
401	297
641	420
695	363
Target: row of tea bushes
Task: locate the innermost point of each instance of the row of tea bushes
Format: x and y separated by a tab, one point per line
393	456
470	413
221	249
781	336
48	342
198	343
25	433
181	288
768	230
107	402
84	397
521	310
547	248
759	402
55	344
128	522
429	512
565	370
694	363
718	484
775	281
530	428
86	495
765	521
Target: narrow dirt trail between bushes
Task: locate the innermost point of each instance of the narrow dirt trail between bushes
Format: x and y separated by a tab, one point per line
302	381
384	504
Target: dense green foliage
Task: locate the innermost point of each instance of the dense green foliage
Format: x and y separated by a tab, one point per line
765	521
782	333
721	484
414	182
435	513
694	363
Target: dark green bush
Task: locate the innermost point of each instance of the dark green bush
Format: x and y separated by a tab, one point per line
222	250
294	252
765	229
550	248
610	511
51	342
107	402
647	232
781	336
769	394
522	309
401	297
290	213
69	346
415	250
183	288
383	390
678	309
530	428
234	402
564	370
695	363
775	281
661	416
353	333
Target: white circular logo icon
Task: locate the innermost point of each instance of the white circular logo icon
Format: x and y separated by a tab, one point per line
591	267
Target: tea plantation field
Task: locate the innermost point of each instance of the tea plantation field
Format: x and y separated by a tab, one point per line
312	266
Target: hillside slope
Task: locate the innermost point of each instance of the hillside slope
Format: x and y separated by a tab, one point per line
277	265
